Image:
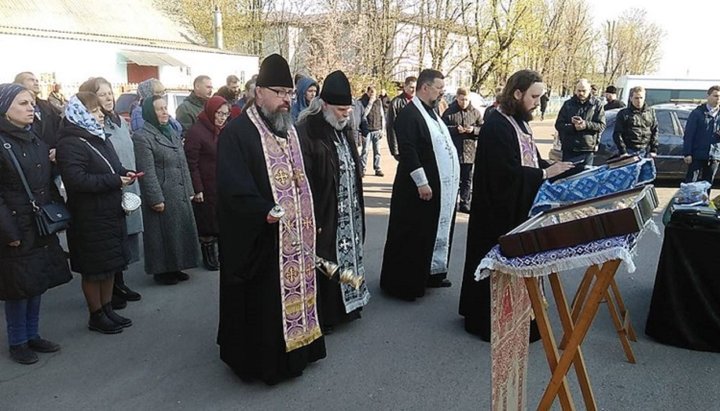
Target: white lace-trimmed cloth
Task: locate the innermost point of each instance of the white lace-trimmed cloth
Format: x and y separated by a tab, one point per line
553	261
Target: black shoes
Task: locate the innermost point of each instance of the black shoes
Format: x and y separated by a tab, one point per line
42	345
100	322
181	276
116	318
122	293
464	208
379	173
166	278
210	254
22	354
117	302
444	283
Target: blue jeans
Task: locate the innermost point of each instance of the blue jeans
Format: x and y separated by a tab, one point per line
374	137
23	319
702	170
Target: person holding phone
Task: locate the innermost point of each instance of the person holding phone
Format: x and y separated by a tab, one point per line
118	132
579	124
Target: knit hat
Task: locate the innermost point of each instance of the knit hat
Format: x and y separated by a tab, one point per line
336	89
8	92
274	72
611	90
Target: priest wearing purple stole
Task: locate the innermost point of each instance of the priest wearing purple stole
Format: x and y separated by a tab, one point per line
269	328
425	191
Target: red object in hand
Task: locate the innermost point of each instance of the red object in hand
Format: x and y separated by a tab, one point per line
140	174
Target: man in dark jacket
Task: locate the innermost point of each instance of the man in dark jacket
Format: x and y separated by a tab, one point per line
396	104
47	119
464	121
636	127
702	141
332	167
188	111
579	124
612	101
358	123
374	113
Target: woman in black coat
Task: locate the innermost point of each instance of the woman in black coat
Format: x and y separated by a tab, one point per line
30	263
94	179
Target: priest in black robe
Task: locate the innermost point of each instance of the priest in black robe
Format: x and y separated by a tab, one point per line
422	208
508	174
268	321
333	168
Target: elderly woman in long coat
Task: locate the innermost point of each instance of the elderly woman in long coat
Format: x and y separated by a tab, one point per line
170	239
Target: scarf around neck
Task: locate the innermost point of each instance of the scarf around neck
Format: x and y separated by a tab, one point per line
76	113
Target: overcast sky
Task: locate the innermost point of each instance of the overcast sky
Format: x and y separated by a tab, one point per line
689	47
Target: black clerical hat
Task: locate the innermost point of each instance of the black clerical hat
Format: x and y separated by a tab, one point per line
336	89
274	72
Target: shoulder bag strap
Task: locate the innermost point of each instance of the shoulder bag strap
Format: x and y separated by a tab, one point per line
19	169
98	153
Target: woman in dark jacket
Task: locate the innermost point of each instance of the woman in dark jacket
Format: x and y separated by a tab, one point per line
30	263
117	131
201	152
94	178
170	238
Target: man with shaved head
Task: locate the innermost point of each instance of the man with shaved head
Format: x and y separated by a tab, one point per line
579	124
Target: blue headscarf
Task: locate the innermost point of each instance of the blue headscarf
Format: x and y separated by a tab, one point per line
78	114
8	92
301	87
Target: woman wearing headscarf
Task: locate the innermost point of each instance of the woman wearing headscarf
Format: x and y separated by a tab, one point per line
148	88
31	264
94	178
117	131
201	152
305	91
170	239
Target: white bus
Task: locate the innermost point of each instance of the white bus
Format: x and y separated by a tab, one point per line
665	90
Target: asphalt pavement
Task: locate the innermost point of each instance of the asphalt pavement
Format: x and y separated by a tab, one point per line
399	356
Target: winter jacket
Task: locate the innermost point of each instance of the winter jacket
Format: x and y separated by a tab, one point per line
188	111
611	105
396	105
39	262
374	114
573	140
119	136
201	152
97	237
465	143
702	141
636	129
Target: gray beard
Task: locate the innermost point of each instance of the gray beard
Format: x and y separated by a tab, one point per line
281	122
333	121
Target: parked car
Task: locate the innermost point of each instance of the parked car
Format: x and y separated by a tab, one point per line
671	127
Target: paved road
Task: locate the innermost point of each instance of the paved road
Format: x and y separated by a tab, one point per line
399	356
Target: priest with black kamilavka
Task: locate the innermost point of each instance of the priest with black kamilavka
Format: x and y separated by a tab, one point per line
269	327
333	169
508	174
425	190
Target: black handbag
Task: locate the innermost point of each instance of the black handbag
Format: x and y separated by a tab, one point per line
50	218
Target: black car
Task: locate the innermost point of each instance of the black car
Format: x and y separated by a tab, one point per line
671	126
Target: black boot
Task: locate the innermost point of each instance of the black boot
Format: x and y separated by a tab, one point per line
118	302
116	318
101	323
166	278
122	290
209	249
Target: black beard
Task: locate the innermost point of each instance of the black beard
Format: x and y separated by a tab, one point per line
281	122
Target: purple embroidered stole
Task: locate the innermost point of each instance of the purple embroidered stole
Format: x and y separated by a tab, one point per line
296	234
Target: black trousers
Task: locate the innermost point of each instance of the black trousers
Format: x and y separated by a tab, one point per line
465	183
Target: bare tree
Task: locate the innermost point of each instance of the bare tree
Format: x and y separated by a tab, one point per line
632	45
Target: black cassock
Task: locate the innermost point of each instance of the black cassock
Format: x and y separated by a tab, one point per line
413	224
322	166
250	333
503	192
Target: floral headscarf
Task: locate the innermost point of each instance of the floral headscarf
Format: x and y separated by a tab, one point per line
145	89
78	114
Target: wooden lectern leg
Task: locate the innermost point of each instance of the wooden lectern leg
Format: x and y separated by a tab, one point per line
624	314
580	297
548	341
620	328
585	319
567	323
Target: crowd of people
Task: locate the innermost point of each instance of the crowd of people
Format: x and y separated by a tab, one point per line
266	185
